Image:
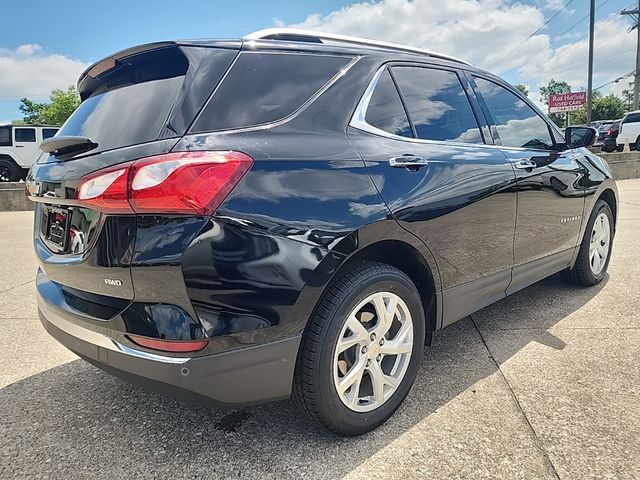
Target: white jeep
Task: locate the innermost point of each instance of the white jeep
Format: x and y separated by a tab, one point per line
19	148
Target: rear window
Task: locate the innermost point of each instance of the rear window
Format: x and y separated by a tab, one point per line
266	87
130	103
632	118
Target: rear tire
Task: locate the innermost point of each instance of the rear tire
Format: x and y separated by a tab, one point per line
9	171
353	383
595	250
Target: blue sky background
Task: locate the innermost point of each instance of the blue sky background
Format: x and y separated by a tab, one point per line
86	33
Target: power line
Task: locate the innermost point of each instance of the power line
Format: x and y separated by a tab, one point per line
543	25
615	80
577	23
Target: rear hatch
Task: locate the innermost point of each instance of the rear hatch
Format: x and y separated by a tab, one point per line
135	104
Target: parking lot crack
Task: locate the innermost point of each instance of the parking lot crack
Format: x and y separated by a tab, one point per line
537	439
16	286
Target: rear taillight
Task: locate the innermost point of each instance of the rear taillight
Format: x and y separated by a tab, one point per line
176	183
174	346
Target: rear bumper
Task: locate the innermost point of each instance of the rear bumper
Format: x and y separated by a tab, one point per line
244	376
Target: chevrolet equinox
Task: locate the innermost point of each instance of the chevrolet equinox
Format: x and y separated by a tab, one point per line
294	214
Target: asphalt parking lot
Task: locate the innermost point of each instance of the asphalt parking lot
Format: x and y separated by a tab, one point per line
543	384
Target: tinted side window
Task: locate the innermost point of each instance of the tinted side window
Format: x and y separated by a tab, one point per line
25	134
632	118
265	87
48	132
5	136
385	110
518	125
437	104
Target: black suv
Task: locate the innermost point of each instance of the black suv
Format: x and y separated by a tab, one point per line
296	214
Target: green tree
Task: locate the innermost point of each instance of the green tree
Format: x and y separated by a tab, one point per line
555	87
608	107
523	88
31	111
60	106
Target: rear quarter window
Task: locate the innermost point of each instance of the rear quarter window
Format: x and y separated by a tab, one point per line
5	136
48	132
632	118
265	87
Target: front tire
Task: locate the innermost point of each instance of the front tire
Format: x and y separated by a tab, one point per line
595	250
361	350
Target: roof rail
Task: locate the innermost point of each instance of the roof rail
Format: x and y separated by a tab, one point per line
301	35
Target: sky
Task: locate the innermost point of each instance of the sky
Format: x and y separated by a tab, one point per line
51	44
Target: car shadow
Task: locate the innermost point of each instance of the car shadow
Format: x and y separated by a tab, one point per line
76	421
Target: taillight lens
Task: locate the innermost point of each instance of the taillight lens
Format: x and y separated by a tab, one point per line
106	190
175	183
174	346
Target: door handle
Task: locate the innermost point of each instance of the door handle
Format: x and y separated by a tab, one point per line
525	164
19	146
411	162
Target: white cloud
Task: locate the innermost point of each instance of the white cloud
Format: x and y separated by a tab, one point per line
27	71
485	32
479	31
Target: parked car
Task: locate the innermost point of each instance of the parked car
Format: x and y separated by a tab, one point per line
296	214
603	129
629	133
609	143
19	149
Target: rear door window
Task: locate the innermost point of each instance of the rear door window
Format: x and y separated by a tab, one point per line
48	132
25	134
437	104
266	87
517	124
385	110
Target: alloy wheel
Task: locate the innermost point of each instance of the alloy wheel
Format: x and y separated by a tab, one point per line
599	246
373	351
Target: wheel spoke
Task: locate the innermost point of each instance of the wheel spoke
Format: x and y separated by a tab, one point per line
398	344
385	311
595	261
602	250
379	379
359	335
353	375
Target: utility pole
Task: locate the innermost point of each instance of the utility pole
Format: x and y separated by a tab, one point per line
592	21
635	14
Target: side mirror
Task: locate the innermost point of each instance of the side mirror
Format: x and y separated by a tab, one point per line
577	137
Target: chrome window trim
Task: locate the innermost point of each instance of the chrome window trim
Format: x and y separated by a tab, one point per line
358	119
358	122
263	126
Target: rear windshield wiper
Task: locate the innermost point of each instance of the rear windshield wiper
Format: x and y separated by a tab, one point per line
65	147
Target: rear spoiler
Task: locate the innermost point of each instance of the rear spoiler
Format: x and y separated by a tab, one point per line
87	81
90	79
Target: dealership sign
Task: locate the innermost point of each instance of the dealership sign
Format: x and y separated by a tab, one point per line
566	102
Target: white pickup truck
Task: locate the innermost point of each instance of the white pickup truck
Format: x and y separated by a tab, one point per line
19	148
